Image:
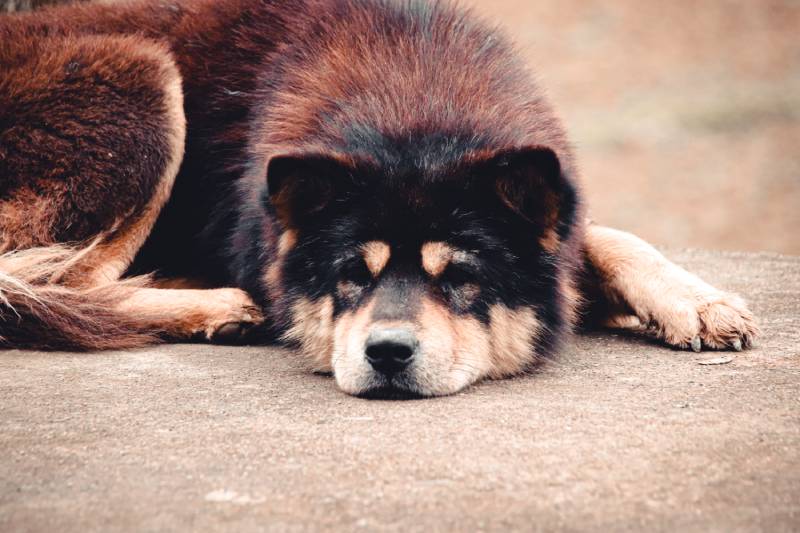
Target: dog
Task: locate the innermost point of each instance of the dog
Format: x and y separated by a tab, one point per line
379	184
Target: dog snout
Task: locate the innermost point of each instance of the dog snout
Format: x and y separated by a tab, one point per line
391	350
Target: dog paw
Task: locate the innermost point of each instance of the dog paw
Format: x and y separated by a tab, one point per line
232	332
234	315
721	321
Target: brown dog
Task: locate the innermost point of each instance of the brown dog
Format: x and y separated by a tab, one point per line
377	183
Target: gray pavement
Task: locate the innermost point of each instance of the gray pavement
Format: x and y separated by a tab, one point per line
618	434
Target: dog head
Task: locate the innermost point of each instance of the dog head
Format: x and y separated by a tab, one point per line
421	284
419	201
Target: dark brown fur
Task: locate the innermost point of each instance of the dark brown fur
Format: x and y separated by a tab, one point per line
49	195
89	170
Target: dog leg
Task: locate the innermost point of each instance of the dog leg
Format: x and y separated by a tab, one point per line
646	292
217	315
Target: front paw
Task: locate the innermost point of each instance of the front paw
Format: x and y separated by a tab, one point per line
720	321
236	331
231	316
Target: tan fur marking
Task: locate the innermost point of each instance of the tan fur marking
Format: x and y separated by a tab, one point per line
26	219
550	241
463	338
184	313
272	276
350	334
465	295
435	257
572	299
286	242
436	330
454	350
354	325
312	329
376	256
513	332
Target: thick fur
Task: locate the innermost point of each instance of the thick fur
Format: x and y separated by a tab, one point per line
38	312
352	170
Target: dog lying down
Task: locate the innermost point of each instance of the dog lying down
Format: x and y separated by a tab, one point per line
377	183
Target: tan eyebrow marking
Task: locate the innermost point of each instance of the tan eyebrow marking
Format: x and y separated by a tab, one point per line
376	255
435	257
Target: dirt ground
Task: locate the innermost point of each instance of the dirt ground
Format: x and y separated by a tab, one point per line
685	114
618	434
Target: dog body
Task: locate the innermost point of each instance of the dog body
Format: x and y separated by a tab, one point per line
377	183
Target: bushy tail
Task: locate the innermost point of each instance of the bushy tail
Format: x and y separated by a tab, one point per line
36	312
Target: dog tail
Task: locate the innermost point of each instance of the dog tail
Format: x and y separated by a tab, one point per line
36	312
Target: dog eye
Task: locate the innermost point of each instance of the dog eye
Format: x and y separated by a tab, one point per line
455	276
356	272
460	287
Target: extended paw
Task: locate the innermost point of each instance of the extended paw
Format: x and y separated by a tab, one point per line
719	322
233	316
233	332
727	323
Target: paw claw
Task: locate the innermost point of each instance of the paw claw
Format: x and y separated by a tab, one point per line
697	344
719	321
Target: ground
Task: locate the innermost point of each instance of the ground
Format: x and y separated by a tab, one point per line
617	433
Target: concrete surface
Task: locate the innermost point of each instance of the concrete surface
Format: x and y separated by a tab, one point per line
619	434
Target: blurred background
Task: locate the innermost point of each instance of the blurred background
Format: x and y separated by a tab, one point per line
685	114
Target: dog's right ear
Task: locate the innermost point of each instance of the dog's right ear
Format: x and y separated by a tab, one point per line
302	186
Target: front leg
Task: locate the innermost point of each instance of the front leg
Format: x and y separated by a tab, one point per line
218	315
644	291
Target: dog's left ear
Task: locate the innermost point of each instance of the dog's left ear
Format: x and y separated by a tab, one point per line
301	186
532	183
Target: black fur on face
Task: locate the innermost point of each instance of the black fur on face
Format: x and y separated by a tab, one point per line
385	245
462	209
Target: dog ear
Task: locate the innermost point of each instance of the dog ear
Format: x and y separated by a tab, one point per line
531	182
301	186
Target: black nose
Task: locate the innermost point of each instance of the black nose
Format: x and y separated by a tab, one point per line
391	350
